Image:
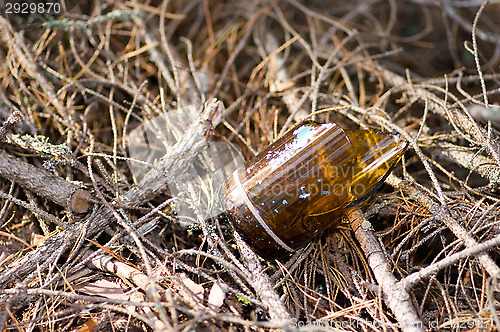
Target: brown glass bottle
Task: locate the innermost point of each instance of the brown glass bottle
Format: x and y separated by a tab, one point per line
298	186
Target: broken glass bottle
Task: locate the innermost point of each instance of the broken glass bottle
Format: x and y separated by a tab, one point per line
298	187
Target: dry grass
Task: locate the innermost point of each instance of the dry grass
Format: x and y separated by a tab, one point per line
427	70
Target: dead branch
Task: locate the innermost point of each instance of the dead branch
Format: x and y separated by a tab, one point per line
441	213
153	184
396	297
67	194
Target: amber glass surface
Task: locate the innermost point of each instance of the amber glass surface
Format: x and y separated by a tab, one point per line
297	187
376	154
